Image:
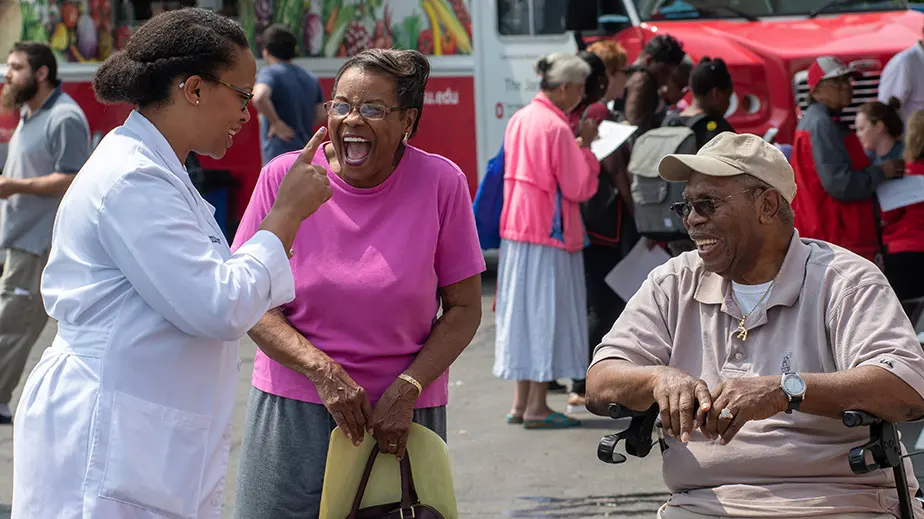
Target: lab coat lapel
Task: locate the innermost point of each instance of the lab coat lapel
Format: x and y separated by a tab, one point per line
156	141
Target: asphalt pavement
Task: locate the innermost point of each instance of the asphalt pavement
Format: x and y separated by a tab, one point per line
499	470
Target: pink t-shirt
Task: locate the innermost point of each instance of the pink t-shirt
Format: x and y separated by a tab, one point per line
368	265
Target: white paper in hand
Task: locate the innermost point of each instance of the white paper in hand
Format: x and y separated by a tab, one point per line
628	275
610	136
901	192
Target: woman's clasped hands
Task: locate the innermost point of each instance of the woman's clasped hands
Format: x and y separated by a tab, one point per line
348	403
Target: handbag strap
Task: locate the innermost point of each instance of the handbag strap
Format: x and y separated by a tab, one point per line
363	482
408	491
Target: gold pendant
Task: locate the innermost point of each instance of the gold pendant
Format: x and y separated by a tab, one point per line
742	331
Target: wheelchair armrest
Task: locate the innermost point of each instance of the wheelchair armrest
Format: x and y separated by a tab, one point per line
883	444
638	436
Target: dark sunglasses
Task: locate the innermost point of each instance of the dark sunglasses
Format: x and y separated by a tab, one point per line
245	95
704	206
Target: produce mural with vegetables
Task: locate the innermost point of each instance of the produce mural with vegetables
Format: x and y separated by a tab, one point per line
77	30
342	28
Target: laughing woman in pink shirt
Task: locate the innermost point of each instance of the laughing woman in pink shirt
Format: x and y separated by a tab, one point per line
362	345
541	297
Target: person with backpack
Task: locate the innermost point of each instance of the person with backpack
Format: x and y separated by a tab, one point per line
647	76
541	309
712	88
685	132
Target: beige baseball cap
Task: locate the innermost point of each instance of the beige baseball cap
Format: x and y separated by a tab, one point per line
729	154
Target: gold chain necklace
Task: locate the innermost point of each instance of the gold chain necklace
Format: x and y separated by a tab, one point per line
742	330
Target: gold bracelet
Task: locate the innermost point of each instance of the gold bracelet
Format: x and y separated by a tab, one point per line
410	380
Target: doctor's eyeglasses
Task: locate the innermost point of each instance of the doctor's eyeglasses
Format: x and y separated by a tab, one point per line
245	95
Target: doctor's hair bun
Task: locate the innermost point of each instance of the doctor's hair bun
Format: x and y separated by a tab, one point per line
164	51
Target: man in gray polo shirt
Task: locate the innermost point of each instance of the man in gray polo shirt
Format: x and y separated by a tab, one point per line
774	336
50	144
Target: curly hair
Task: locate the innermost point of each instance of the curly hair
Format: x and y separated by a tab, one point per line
408	68
170	45
664	48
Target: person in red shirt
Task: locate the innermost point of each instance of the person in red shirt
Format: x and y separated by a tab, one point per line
836	181
903	228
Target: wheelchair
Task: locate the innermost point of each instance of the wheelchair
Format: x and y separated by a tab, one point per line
883	447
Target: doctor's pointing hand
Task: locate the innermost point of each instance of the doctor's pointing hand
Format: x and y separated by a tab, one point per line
304	188
128	413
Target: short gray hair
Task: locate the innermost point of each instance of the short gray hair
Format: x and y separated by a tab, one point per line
561	68
785	213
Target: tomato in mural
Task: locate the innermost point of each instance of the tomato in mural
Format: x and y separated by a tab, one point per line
342	28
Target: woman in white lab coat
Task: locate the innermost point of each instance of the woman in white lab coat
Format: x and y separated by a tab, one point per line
128	413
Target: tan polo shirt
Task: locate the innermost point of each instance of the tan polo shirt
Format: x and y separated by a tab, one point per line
829	310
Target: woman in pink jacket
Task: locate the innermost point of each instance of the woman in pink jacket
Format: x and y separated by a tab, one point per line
541	300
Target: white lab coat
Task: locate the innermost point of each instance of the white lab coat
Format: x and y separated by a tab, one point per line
128	413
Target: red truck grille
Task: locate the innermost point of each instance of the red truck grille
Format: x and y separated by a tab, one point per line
865	89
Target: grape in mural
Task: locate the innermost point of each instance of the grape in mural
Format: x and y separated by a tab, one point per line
341	28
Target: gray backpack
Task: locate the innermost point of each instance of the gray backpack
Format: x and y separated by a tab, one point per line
651	194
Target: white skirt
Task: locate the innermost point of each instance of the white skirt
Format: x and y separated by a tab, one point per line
541	313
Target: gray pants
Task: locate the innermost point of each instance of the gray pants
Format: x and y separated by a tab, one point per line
284	454
22	315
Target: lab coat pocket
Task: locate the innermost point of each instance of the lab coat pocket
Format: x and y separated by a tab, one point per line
156	457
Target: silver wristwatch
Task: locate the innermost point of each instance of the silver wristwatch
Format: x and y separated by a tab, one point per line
794	386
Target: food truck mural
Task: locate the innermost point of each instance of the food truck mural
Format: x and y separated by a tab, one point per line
340	28
82	31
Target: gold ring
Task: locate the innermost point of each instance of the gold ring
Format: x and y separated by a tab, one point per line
726	414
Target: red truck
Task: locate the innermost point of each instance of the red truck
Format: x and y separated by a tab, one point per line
482	53
768	45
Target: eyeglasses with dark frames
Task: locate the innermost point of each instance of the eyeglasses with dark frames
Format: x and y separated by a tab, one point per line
245	95
370	111
705	206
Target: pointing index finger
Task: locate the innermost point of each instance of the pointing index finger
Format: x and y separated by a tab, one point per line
307	154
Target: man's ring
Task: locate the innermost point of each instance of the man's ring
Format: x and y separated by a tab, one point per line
726	414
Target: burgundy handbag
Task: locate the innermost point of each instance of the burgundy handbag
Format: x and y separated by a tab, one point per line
409	506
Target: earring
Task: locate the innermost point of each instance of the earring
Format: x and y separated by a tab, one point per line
197	102
407	135
182	84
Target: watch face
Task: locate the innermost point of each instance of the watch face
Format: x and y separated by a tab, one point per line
794	385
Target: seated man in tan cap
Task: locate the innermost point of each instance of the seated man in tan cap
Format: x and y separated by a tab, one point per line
774	336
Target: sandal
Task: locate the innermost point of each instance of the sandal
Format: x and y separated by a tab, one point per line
513	419
553	421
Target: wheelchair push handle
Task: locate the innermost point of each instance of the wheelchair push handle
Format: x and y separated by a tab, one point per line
885	450
859	418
